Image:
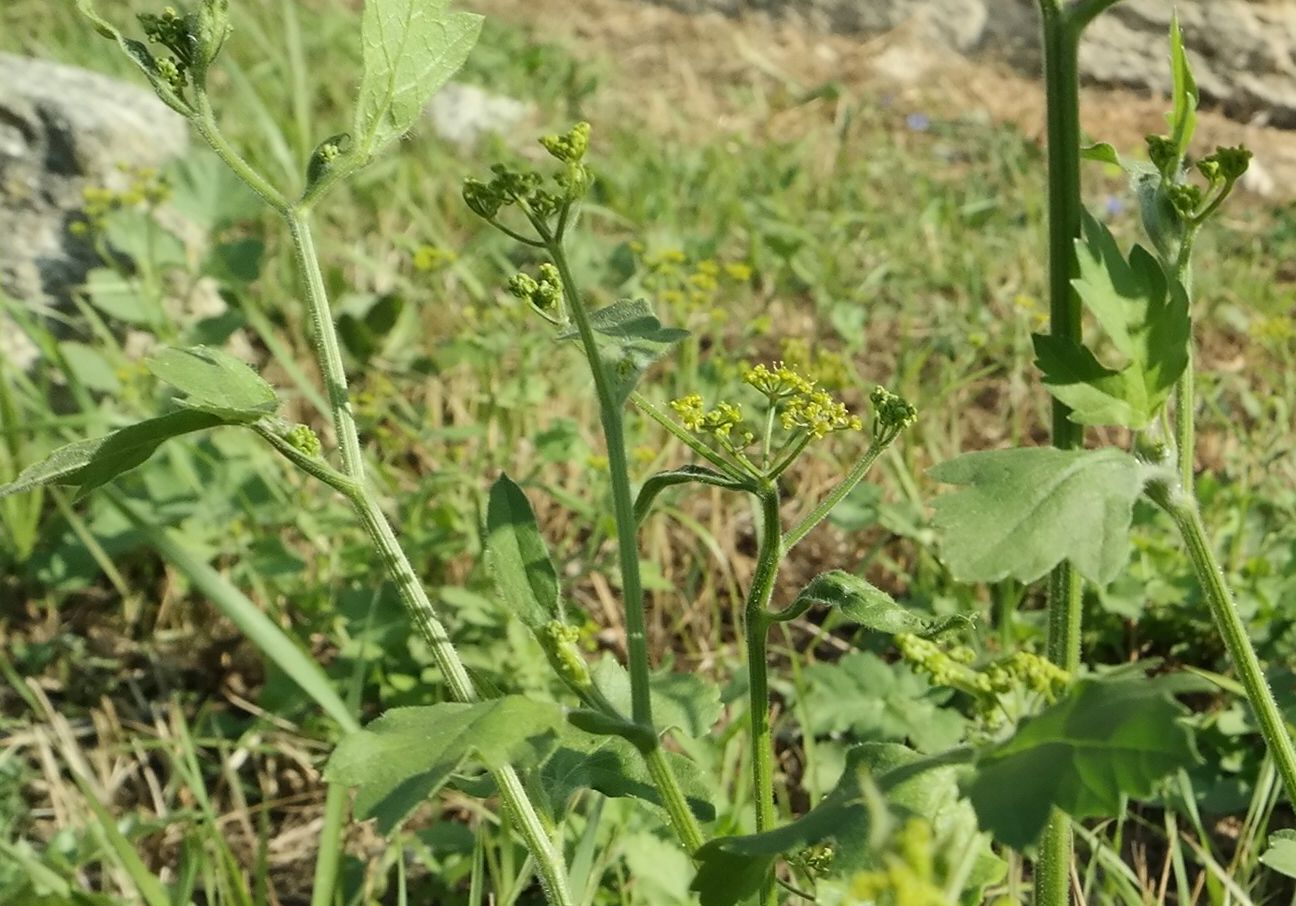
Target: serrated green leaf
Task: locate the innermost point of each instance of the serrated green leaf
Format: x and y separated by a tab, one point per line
1280	855
215	382
1096	394
869	699
1146	318
863	603
517	557
879	779
1023	511
1105	740
406	755
613	767
629	339
90	463
681	701
411	48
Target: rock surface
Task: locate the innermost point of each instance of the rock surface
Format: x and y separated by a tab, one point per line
1244	51
63	128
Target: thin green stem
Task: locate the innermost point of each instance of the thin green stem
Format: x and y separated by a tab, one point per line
355	487
329	857
646	406
1061	39
1185	399
1182	508
682	819
835	496
758	620
622	501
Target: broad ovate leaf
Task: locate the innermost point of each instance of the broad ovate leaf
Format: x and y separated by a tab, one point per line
411	48
403	757
629	339
1021	512
87	464
613	767
517	557
215	382
1280	854
680	701
1105	740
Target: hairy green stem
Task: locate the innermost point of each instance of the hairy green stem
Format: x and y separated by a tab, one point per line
622	501
1185	399
1182	508
758	620
1061	28
682	818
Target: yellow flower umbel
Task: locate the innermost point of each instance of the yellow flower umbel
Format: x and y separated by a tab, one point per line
793	403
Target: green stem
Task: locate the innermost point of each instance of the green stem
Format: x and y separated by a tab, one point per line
533	829
622	501
1185	398
329	857
682	819
1182	508
758	620
835	496
1061	40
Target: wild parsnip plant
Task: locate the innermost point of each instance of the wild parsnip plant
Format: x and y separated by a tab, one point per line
1040	741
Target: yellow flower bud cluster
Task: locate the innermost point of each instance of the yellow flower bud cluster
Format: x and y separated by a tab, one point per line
677	281
907	875
561	643
146	187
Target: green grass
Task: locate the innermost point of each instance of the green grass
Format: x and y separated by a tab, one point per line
912	258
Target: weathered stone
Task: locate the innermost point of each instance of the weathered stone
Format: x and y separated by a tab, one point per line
1243	51
63	128
464	114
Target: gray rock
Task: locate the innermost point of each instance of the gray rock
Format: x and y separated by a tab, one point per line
61	129
464	114
1243	51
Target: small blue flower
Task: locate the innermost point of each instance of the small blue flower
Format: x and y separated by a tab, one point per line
918	122
1114	205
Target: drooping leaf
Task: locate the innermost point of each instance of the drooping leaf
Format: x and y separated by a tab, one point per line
865	697
215	382
629	339
613	767
682	701
517	557
683	475
863	603
139	54
1106	739
1280	855
411	48
406	755
1144	315
880	780
87	464
1023	511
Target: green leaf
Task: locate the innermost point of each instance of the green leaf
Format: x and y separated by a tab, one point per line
411	48
1024	511
215	382
880	779
1281	853
121	298
1105	740
517	557
630	339
1183	117
137	235
88	464
863	603
869	699
139	54
684	475
1146	318
89	367
209	194
613	767
403	757
682	701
